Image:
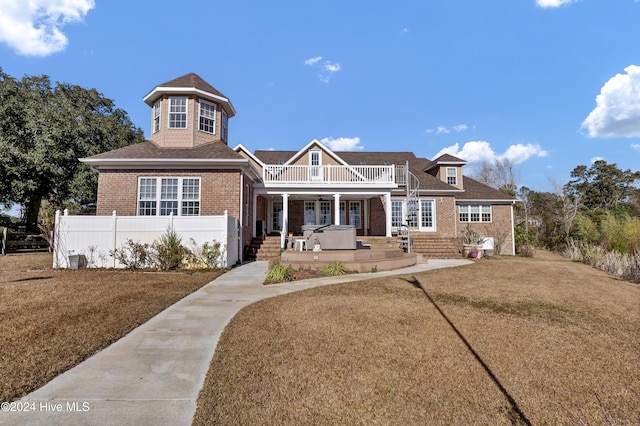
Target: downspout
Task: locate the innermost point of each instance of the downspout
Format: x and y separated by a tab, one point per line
513	237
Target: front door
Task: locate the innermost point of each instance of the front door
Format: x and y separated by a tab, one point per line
427	216
276	216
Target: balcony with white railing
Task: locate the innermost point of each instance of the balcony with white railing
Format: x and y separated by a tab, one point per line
278	175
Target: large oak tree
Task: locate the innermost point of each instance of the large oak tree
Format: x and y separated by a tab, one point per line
44	130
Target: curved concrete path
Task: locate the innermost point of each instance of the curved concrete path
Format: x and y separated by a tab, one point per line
153	375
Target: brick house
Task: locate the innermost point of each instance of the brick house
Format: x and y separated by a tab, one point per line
187	168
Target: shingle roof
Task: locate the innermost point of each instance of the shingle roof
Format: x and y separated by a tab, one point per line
149	150
192	80
474	190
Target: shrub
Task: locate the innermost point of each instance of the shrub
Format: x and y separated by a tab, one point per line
209	255
335	269
133	255
169	251
279	273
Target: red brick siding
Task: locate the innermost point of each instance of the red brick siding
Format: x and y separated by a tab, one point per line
118	190
500	225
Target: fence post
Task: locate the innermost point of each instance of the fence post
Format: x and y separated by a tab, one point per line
56	242
114	215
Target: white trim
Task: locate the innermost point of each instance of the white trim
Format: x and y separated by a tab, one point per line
202	102
308	146
186	112
421	228
180	194
190	90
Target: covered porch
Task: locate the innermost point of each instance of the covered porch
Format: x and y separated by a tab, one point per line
285	212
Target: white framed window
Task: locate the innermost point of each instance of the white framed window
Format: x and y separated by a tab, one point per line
475	212
452	175
426	215
309	212
162	196
207	117
396	213
355	215
156	115
178	112
225	126
315	165
325	212
343	213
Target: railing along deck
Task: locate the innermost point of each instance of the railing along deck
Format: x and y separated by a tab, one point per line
373	175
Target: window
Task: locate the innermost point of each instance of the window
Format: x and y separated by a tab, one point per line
315	163
396	213
343	213
325	212
165	196
225	126
207	117
178	113
156	116
309	212
191	197
412	213
426	213
475	212
354	214
147	197
452	176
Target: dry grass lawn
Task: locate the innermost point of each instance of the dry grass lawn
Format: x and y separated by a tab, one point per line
502	341
52	320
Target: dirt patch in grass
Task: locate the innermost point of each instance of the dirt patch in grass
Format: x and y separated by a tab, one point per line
54	319
503	341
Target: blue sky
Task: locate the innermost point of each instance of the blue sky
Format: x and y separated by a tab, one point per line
549	84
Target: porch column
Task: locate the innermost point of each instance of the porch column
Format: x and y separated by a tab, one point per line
254	216
336	209
387	212
285	219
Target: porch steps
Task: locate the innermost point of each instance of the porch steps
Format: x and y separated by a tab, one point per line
265	249
436	247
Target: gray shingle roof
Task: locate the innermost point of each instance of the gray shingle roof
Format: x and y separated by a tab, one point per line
149	150
192	80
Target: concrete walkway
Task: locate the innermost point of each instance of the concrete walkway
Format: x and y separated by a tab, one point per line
154	374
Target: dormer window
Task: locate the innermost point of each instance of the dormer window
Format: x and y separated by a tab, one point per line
178	112
452	176
207	117
156	116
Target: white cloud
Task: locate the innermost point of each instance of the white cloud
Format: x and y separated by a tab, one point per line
460	128
34	27
441	129
636	146
481	151
405	30
617	111
343	144
445	130
312	61
594	159
554	3
327	68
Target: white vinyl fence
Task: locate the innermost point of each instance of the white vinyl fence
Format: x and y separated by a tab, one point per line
96	237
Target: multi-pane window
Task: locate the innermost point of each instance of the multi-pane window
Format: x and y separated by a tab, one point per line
207	117
168	196
452	176
156	116
355	214
426	213
309	212
412	213
225	126
396	213
178	112
475	212
315	163
325	212
191	197
343	213
147	204
165	196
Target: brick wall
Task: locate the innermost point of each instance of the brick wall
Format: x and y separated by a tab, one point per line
118	190
500	227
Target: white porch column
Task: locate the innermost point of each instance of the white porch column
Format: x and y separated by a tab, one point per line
254	216
285	219
336	209
387	199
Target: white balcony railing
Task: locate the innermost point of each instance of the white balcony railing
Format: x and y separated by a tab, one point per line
361	175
